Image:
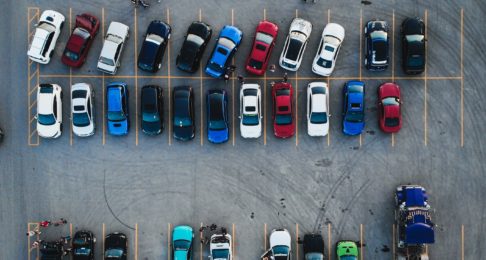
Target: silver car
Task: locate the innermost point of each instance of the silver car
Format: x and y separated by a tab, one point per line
82	109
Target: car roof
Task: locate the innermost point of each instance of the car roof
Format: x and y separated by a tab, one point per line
319	103
114	98
45	103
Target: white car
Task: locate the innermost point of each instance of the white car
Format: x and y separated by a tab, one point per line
317	109
46	33
49	110
331	41
280	245
82	109
250	111
220	247
116	36
295	44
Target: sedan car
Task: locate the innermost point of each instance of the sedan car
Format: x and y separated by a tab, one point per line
183	119
217	115
313	247
283	110
413	45
317	109
265	38
115	39
117	105
353	110
83	245
197	38
327	53
152	110
182	238
280	245
51	250
80	41
376	45
153	46
47	32
295	44
49	110
220	247
116	246
389	108
250	111
82	109
227	44
347	250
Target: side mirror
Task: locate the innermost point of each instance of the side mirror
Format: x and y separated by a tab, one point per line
35	117
36	24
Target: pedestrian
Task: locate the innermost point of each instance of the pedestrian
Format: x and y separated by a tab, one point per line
226	77
65	240
241	79
202	229
272	68
45	223
213	227
232	68
223	231
60	222
33	233
285	77
36	244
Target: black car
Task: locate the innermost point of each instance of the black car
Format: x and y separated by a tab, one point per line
313	247
153	46
83	245
183	118
413	45
116	246
152	110
51	250
197	37
376	45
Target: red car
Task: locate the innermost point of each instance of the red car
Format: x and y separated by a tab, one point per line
80	40
283	111
389	107
265	37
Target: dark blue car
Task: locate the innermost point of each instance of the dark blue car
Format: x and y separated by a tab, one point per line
117	106
354	107
376	45
217	115
228	42
153	46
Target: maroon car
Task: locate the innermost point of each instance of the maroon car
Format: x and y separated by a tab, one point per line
283	110
80	40
265	37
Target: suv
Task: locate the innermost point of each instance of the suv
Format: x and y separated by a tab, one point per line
376	45
82	109
46	33
295	44
115	38
220	247
49	110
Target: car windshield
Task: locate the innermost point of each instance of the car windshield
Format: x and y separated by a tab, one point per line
318	118
283	119
314	256
107	61
263	37
355	89
226	43
83	251
250	119
414	38
150	117
217	125
280	251
46	119
114	253
349	257
195	39
81	32
293	49
182	245
154	38
46	26
283	92
331	40
355	117
324	63
220	254
81	119
216	67
255	64
415	60
182	121
392	122
116	116
71	55
390	101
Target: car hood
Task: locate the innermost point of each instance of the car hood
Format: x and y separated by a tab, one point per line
183	133
218	136
353	128
118	128
118	29
301	25
280	238
335	30
180	255
49	131
232	33
317	129
83	131
251	131
182	233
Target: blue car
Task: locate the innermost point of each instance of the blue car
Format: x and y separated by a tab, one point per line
228	42
117	105
354	107
182	238
217	115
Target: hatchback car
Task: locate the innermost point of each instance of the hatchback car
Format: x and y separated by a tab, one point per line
295	44
227	44
153	46
197	38
220	247
413	45
116	246
183	119
317	109
83	245
82	109
327	53
47	32
283	110
115	39
217	115
347	250
49	110
264	41
280	245
354	107
250	111
152	110
389	107
79	43
313	247
376	45
117	106
182	238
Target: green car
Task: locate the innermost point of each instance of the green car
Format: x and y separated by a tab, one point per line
347	250
182	238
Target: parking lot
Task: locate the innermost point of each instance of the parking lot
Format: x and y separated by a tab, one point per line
338	185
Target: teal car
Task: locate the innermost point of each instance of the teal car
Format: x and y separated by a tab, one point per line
182	238
347	250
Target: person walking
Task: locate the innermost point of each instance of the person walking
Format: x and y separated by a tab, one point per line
36	244
285	77
33	233
241	79
272	68
60	222
44	223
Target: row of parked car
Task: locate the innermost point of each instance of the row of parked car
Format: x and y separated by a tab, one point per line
230	37
49	110
182	243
